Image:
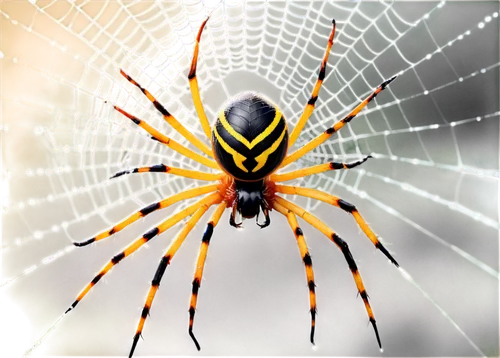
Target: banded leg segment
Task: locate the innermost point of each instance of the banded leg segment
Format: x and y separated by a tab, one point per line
161	168
171	119
342	245
169	142
306	258
342	204
187	194
316	169
200	264
193	84
164	262
336	127
314	96
171	221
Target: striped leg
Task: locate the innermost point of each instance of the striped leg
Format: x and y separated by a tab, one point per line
165	261
342	245
171	119
304	251
336	127
316	169
193	84
342	204
161	168
187	194
174	219
169	142
314	96
205	241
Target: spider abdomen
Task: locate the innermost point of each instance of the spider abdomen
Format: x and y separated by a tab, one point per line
250	137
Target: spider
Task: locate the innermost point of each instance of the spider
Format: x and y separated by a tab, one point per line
250	141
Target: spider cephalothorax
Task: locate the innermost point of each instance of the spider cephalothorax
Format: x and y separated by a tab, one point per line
249	144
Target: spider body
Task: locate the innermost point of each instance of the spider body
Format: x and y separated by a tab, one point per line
250	137
250	141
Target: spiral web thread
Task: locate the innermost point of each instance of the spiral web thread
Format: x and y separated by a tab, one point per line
83	141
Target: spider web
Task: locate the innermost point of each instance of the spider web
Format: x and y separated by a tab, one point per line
153	41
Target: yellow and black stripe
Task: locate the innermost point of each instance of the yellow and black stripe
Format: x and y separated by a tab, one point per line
161	168
250	137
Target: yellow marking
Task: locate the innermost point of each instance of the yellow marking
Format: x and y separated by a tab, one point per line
237	157
262	158
259	138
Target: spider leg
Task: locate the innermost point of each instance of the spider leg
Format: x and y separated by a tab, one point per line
266	215
336	127
164	262
315	169
205	241
161	168
169	142
172	220
171	119
232	218
193	84
314	96
342	245
342	204
187	194
306	258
